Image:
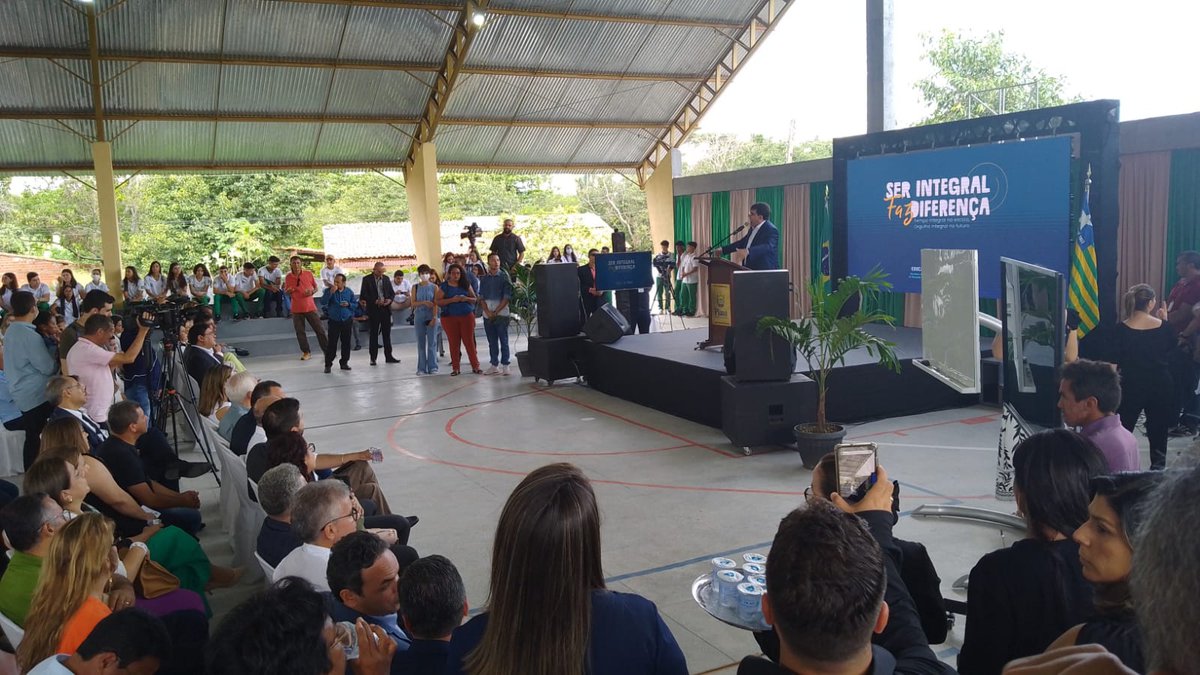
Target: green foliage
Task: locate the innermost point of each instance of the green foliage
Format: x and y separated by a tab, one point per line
523	303
826	337
726	152
965	65
543	233
620	203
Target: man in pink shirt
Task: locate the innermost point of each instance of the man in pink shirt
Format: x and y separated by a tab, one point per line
1088	396
301	286
92	363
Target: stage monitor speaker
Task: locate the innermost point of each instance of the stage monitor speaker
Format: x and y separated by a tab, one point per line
606	325
760	357
557	288
764	413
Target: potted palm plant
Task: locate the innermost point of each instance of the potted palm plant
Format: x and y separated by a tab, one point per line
824	338
523	306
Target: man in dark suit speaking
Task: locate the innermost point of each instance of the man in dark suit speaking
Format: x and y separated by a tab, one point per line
762	244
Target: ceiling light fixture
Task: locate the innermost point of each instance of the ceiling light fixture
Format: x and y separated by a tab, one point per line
478	18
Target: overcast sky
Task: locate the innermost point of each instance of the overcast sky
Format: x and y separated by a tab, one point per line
813	66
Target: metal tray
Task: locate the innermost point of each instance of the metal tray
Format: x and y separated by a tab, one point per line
703	594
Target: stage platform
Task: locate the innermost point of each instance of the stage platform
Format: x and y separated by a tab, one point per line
665	371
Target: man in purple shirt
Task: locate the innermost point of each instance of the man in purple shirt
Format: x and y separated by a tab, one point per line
1089	394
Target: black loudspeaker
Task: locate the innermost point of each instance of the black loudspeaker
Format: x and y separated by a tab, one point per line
764	413
556	358
557	287
760	357
606	326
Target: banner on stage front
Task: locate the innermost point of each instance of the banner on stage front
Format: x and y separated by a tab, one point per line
623	271
721	301
1009	199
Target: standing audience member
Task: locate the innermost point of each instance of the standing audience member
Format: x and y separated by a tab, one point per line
127	423
339	307
300	287
93	364
689	279
833	580
1089	395
495	292
271	278
363	577
433	602
664	264
425	318
323	513
69	600
286	629
128	641
1023	597
28	366
375	296
589	297
457	300
1179	313
199	284
550	613
1144	344
97	302
554	257
1106	544
277	490
249	290
508	246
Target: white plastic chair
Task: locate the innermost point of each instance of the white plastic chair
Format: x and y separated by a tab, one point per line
249	515
267	569
228	502
12	631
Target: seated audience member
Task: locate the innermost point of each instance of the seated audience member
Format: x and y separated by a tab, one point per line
29	523
284	417
363	575
549	610
127	423
1089	395
69	600
92	363
246	431
322	514
128	641
201	356
277	493
1023	597
237	391
212	402
833	579
1106	544
63	475
433	602
68	395
286	629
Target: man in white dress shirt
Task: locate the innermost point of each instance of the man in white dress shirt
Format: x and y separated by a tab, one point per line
323	513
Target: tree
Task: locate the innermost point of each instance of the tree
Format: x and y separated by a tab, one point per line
620	203
974	77
727	152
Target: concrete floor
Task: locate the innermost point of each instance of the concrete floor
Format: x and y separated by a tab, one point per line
672	494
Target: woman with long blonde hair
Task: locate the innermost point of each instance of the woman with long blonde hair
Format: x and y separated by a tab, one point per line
213	404
69	599
549	612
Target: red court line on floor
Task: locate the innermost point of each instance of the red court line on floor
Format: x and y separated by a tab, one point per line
901	432
644	426
453	420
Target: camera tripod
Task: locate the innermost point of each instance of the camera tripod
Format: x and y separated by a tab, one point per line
169	401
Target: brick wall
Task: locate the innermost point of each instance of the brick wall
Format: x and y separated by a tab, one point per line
47	268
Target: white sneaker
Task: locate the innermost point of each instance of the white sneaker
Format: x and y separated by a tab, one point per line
491	371
504	369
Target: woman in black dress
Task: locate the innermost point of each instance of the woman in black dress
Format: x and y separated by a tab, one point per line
1143	346
1106	551
1023	597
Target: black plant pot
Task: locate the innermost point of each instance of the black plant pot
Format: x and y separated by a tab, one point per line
813	445
524	364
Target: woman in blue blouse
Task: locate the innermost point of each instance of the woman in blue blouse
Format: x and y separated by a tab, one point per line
339	309
457	299
550	613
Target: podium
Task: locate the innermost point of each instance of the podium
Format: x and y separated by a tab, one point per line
720	299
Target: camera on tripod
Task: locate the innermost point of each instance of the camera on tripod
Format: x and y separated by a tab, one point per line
167	317
471	233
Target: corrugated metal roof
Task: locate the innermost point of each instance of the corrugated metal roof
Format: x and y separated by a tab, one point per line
283	52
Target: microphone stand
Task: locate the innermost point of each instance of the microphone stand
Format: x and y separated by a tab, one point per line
725	240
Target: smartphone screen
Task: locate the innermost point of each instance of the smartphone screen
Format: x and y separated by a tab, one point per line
855	466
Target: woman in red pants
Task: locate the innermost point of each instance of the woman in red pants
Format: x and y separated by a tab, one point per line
457	300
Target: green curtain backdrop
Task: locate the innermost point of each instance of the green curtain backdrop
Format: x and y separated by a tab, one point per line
821	230
720	218
683	220
1183	210
773	197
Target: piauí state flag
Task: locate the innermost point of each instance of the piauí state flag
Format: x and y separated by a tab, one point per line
1084	292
